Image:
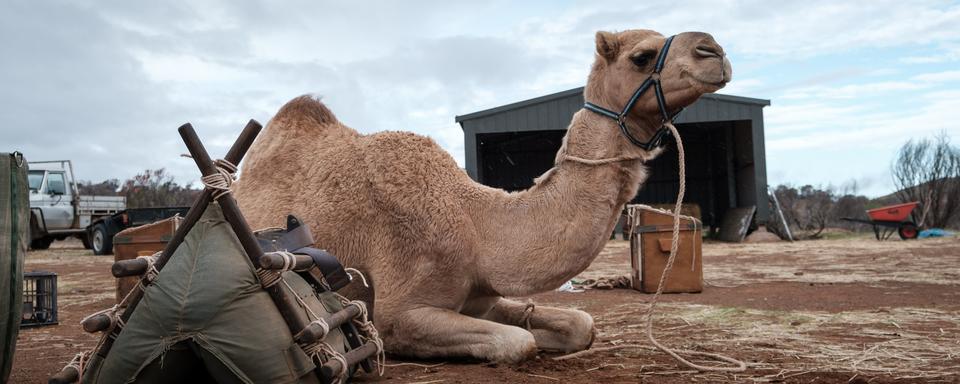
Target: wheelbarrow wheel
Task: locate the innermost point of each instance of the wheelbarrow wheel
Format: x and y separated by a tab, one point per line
908	231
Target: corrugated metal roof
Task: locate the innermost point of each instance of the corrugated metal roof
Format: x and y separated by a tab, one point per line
578	93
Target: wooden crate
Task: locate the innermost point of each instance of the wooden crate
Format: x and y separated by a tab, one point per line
144	240
650	240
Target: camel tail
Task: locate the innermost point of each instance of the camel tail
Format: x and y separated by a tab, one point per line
306	107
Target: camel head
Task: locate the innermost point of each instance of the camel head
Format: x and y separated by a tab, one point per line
695	64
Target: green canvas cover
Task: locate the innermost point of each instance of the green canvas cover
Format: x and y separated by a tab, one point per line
14	221
206	309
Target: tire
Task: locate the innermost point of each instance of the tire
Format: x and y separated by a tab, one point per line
41	243
85	239
908	231
100	240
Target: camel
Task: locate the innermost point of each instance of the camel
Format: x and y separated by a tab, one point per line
442	251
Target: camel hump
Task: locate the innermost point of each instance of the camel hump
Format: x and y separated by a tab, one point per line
306	107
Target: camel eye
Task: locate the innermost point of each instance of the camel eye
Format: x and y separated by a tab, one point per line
641	60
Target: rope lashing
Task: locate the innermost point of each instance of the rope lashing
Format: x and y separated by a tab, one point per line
325	353
289	260
221	181
79	362
268	278
632	212
365	325
367	331
324	326
152	271
527	314
112	313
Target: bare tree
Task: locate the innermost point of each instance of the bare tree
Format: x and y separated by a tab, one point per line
928	171
808	210
156	188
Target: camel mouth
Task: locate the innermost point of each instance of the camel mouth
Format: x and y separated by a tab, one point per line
710	86
716	78
708	52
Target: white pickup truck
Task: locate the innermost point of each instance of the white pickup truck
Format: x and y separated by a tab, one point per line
58	210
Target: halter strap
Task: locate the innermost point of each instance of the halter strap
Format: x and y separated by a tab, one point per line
652	81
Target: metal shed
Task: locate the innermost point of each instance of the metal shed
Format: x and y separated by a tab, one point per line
508	146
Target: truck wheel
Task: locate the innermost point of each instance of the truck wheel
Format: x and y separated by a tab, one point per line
101	242
85	239
41	243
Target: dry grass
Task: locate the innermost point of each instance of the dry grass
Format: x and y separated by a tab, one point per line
894	343
860	259
855	260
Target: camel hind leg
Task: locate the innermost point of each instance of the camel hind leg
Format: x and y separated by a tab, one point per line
555	329
430	332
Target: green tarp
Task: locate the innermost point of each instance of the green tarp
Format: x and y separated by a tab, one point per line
205	317
14	221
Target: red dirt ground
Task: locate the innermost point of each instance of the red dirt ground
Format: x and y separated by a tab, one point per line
851	310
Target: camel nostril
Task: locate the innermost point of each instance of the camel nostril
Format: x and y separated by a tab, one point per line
708	51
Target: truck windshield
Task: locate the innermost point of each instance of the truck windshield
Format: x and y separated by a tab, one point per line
35	178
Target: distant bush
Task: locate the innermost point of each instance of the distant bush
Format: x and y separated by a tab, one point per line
150	188
106	187
809	210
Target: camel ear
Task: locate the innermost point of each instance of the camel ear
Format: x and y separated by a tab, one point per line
607	45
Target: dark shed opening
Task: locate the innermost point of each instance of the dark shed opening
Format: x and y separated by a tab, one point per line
509	146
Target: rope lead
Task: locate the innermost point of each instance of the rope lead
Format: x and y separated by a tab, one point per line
675	242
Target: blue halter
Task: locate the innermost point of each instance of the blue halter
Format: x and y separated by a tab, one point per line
653	80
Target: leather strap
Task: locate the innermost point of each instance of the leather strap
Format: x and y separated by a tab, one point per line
297	239
653	80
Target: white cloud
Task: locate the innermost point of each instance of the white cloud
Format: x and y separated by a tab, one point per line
836	128
938	77
130	72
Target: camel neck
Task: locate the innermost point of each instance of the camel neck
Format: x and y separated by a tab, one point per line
541	237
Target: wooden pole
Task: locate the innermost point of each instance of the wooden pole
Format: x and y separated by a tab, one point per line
275	261
287	306
313	332
131	267
129	304
354	356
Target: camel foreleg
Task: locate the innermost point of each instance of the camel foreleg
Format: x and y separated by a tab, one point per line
430	332
555	329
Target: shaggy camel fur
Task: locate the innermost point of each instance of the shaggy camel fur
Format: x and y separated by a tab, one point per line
443	251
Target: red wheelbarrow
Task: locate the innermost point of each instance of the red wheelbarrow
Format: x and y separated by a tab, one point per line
890	219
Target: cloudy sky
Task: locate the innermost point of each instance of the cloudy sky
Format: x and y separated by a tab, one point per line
106	83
